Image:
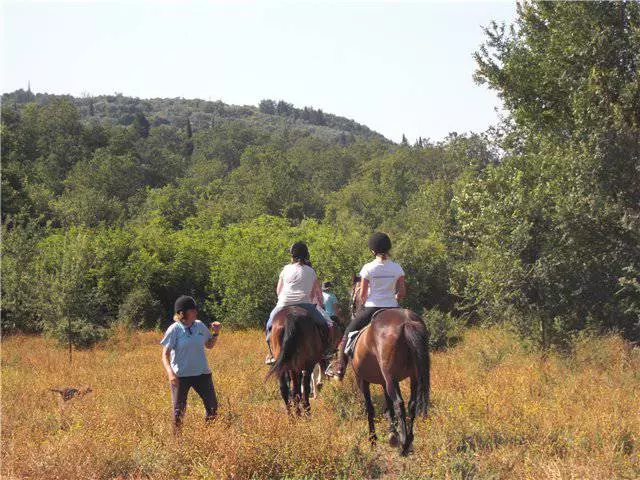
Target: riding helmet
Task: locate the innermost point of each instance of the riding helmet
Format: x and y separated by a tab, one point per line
299	250
379	243
184	303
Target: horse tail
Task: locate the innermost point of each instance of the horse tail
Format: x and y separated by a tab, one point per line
417	338
292	338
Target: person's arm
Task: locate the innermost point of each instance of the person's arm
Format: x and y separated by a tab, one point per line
364	290
279	287
316	294
215	331
401	288
166	361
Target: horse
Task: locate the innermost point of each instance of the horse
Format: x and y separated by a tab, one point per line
394	346
298	344
335	335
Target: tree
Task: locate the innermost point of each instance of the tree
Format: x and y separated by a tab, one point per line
141	125
268	107
554	226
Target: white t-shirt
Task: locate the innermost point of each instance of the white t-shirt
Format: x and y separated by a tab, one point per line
297	283
382	276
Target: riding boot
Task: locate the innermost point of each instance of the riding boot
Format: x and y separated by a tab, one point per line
270	360
338	366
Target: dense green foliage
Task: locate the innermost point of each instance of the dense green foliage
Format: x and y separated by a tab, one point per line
113	206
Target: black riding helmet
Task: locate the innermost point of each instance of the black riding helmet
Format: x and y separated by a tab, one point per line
379	243
299	250
184	303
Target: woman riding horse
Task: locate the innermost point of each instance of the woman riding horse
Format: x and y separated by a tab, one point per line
298	285
381	287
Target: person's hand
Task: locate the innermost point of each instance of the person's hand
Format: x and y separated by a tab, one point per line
215	327
173	379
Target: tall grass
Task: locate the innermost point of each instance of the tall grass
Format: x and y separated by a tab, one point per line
498	412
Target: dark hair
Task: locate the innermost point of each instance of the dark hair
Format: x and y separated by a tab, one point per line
380	243
300	252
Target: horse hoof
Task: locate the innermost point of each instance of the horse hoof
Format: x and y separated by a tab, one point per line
406	450
393	439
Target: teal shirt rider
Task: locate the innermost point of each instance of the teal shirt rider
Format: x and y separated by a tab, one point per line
330	302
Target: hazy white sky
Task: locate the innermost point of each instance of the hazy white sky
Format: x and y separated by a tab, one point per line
397	67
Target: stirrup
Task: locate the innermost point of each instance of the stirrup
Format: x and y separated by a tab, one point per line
331	371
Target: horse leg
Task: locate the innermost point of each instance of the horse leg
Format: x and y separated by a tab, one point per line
284	391
393	389
388	411
296	387
317	376
412	411
306	388
368	405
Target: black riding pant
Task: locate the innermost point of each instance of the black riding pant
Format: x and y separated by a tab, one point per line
360	320
203	385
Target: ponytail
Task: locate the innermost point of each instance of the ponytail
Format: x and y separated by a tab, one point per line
303	261
178	316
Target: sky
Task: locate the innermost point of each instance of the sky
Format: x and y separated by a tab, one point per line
397	67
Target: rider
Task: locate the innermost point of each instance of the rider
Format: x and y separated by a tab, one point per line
381	287
330	302
298	285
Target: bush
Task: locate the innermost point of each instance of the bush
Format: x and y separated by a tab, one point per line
445	330
140	309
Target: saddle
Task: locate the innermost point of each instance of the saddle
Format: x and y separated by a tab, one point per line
352	338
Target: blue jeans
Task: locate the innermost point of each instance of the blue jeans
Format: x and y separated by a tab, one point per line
309	307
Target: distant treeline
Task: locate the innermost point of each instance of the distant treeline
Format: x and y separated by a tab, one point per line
111	206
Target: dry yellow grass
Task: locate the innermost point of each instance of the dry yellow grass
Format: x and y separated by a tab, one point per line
498	412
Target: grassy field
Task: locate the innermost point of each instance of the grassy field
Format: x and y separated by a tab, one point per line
498	412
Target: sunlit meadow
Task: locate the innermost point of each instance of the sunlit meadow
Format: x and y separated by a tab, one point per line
499	411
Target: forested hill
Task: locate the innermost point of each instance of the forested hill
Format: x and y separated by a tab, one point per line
112	207
270	115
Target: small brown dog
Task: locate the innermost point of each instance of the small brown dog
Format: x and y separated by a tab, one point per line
69	392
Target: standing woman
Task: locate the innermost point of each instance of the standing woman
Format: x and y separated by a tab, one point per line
185	361
382	285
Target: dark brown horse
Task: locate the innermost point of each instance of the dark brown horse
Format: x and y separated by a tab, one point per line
395	346
298	344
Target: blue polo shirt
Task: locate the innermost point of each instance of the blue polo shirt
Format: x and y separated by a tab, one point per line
330	302
187	348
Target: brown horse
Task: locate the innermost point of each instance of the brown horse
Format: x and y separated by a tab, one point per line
394	347
298	344
335	335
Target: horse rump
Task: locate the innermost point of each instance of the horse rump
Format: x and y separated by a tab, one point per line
296	339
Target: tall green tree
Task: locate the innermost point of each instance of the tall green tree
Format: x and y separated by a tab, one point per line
552	229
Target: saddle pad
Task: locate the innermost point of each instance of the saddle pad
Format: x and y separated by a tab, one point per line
352	338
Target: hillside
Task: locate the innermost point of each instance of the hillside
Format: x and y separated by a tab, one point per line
114	206
270	116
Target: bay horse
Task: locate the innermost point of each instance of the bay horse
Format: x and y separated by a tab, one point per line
394	346
298	343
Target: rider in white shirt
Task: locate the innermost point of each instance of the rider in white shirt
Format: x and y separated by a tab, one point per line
298	285
382	286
